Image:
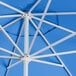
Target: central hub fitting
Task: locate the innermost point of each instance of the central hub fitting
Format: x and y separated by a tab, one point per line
26	14
26	58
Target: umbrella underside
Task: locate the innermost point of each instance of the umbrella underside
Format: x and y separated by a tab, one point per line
37	38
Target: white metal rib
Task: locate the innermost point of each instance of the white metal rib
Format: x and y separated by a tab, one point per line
52	24
11	40
8	16
9	24
9	57
63	39
38	1
9	52
39	26
57	54
13	8
51	45
12	65
55	13
48	63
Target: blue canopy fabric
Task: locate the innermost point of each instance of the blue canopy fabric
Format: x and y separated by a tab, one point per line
53	52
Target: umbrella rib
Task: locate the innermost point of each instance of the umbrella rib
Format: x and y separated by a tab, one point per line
56	54
9	52
15	48
8	57
14	64
13	8
55	13
9	24
55	43
11	40
51	49
34	6
63	39
52	24
8	16
45	62
39	26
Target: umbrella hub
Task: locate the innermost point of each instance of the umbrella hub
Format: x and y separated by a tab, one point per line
26	58
26	15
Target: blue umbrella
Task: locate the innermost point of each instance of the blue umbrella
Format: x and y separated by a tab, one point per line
37	38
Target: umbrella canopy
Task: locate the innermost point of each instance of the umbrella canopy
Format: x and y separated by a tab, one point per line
37	38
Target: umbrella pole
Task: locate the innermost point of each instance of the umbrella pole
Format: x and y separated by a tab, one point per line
26	68
26	44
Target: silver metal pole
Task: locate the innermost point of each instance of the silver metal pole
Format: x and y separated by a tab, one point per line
26	44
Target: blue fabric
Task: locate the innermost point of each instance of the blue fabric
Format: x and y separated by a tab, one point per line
38	69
